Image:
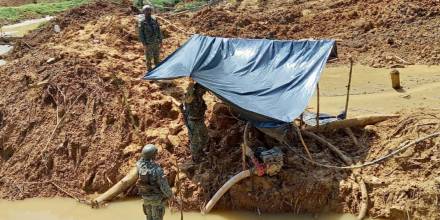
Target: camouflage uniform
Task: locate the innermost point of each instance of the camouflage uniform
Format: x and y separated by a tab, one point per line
194	112
151	37
154	188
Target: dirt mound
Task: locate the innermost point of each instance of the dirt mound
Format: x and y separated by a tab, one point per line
74	116
375	33
75	112
409	183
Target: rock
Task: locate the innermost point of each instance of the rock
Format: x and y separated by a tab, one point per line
175	129
373	180
131	149
51	60
57	28
174	140
363	25
180	177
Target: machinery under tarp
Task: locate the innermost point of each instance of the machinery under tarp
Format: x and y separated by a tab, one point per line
270	82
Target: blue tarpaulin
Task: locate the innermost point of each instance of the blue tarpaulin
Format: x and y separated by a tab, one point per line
269	81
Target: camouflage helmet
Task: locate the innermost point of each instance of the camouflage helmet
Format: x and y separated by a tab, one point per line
147	7
149	151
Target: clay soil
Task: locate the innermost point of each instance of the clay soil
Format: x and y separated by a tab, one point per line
74	116
376	33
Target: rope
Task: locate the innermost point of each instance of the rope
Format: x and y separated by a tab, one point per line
376	161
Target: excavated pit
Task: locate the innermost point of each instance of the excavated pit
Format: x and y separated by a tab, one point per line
74	112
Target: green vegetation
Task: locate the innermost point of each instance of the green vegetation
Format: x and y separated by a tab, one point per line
194	5
13	14
164	3
178	5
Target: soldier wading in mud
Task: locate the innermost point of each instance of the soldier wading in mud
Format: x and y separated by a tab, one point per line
194	112
152	184
151	36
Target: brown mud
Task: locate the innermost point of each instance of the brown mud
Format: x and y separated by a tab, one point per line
376	33
74	116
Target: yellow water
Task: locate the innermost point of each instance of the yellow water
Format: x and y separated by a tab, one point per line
67	209
22	28
19	30
372	92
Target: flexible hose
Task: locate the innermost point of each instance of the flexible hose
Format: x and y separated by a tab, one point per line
235	179
117	189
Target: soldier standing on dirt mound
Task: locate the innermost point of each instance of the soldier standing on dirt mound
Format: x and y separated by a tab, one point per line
194	112
152	184
151	36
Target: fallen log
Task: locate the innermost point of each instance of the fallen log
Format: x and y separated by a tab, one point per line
116	189
352	122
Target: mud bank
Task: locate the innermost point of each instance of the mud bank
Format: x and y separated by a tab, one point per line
74	116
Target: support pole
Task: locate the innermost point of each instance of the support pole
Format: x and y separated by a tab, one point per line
179	189
317	106
244	146
348	88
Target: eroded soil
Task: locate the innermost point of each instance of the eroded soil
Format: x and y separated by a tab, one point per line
75	114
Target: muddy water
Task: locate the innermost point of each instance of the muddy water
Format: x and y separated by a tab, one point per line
22	28
372	93
66	209
18	30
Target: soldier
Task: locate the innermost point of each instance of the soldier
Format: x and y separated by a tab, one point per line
151	36
152	184
194	112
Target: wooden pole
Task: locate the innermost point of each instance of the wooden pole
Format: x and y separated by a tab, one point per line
179	189
317	107
348	87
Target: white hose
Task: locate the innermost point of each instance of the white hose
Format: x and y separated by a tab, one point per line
117	189
235	179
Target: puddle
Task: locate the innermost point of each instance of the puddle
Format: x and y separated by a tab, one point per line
67	209
371	91
18	30
22	28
